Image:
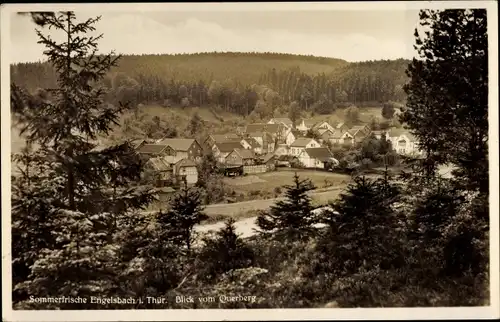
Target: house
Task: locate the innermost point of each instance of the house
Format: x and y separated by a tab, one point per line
359	132
241	157
301	144
305	125
151	150
185	171
158	170
403	142
222	150
137	143
342	127
277	131
269	160
220	138
252	145
179	149
316	157
265	139
282	120
323	125
341	138
325	135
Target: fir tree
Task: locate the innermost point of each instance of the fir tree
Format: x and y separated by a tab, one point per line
76	189
224	252
185	212
292	217
447	106
362	227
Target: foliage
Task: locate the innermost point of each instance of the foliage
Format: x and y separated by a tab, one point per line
67	175
352	115
291	218
224	252
184	213
447	106
362	229
388	110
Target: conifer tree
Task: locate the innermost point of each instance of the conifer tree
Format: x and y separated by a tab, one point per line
76	188
447	108
185	212
225	251
293	217
362	226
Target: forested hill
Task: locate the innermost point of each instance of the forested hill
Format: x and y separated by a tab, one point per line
238	81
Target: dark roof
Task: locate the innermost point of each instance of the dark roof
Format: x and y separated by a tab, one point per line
264	127
267	157
301	142
358	129
185	163
253	142
177	144
322	153
245	154
263	135
159	164
151	148
228	146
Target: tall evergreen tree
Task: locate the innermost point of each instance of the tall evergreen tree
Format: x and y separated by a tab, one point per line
185	212
293	217
73	187
447	106
225	251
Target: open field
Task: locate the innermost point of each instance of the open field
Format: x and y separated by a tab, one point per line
266	182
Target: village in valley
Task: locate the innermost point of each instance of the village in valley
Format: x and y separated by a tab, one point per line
262	147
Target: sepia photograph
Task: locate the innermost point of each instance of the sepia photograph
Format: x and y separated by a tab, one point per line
186	161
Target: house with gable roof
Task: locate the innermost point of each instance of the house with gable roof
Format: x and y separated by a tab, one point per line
178	149
241	157
403	142
282	120
251	144
185	170
222	150
317	157
301	144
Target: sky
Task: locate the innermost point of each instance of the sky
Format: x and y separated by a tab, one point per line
346	34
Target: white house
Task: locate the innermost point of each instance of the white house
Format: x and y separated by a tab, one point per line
185	170
317	157
403	142
301	144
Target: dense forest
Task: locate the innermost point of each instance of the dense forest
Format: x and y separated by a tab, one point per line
80	229
240	82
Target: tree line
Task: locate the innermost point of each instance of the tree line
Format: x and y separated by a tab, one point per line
369	83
